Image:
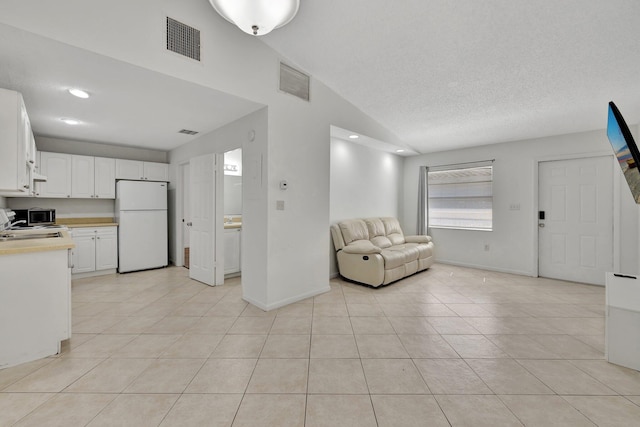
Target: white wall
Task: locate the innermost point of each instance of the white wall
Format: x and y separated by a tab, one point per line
364	182
85	148
254	221
282	268
513	240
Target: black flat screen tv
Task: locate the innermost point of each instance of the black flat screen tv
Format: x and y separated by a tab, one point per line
625	149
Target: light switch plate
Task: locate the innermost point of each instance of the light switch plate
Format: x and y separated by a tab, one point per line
280	205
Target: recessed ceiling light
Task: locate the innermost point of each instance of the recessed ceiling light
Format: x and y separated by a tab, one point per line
79	93
71	121
353	137
400	151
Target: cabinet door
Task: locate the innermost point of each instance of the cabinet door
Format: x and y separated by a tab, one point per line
105	178
231	251
82	177
24	148
156	171
106	248
129	169
57	168
84	254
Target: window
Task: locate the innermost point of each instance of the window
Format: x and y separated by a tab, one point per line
460	197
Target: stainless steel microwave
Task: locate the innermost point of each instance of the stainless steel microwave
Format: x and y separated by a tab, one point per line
35	216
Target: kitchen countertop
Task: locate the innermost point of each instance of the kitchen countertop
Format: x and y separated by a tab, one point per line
87	222
93	224
37	245
232	221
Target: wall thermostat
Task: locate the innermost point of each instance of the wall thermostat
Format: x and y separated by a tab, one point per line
284	185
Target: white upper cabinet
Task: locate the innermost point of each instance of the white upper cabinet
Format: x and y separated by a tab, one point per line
78	177
105	178
82	177
137	170
15	144
156	171
129	169
57	168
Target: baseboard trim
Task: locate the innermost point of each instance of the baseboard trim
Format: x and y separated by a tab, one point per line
485	267
286	301
94	273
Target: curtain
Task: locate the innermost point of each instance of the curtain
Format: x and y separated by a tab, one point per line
423	200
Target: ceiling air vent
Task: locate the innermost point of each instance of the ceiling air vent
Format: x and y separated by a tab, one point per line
188	132
294	82
183	39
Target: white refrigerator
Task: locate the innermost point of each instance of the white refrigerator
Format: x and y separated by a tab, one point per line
141	213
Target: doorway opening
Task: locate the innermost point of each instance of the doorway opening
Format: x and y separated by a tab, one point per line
232	215
186	215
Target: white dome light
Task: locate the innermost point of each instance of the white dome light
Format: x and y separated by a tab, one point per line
79	93
257	17
71	121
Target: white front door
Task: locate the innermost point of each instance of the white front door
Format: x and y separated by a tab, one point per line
575	219
202	209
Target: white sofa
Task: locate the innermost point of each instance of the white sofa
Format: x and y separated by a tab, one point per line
375	251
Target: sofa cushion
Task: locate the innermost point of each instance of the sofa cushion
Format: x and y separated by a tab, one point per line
377	232
410	252
375	227
353	229
392	259
381	241
424	251
361	247
393	230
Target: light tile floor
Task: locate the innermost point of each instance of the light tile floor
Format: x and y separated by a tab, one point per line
448	346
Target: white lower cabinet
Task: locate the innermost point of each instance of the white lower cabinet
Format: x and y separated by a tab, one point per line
96	249
232	250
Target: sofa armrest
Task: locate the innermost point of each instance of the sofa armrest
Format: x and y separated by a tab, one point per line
361	247
417	239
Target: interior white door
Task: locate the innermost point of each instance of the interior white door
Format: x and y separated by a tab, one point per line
575	219
202	230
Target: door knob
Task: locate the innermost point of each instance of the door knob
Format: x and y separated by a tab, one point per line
541	225
189	224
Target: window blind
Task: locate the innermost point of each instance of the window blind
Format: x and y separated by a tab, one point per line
461	197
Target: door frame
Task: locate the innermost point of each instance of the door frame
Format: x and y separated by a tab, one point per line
616	204
179	259
218	244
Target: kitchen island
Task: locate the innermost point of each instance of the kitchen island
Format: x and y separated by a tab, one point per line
35	297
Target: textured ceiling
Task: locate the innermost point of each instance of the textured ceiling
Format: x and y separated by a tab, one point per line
445	74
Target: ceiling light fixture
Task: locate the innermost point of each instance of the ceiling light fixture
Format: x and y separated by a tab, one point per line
353	137
400	151
79	93
257	17
71	121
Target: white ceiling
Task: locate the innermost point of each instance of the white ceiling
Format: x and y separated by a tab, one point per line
129	105
440	74
445	74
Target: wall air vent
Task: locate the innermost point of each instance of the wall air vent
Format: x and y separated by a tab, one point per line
294	82
188	132
183	39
